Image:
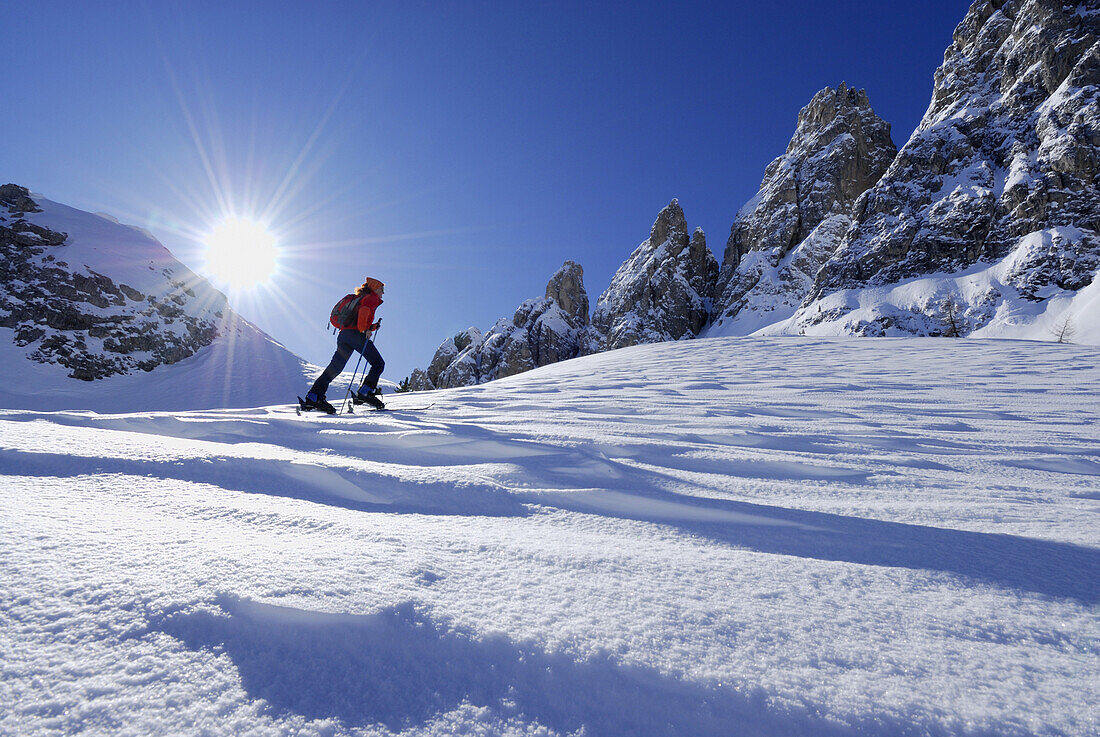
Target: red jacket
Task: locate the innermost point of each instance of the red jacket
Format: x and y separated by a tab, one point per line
367	305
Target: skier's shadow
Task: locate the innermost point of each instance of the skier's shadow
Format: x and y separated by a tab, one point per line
399	668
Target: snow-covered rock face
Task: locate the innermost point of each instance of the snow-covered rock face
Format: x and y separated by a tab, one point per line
664	291
566	289
100	300
445	356
544	330
1008	150
839	149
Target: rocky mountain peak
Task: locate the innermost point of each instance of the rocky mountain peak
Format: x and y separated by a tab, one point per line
566	289
823	110
664	291
840	148
671	227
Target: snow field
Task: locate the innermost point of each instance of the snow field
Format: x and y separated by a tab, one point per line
754	536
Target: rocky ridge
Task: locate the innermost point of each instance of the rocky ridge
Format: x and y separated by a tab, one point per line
992	204
72	315
1001	171
542	331
671	287
664	291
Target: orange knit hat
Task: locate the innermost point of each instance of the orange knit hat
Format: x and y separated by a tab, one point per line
373	284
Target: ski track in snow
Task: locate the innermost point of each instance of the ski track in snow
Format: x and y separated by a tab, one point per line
726	536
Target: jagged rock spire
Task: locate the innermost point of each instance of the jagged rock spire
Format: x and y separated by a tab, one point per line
840	147
566	288
664	291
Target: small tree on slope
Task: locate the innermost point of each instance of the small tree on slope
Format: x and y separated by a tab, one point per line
950	314
1063	332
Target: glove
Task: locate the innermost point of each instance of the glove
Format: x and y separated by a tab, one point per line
376	325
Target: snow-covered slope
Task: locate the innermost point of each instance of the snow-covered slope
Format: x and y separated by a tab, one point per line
99	315
243	367
792	536
983	300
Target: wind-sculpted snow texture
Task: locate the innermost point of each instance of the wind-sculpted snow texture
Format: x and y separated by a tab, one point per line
664	291
1002	171
543	331
83	297
784	234
718	537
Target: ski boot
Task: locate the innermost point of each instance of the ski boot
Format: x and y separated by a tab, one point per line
366	395
312	402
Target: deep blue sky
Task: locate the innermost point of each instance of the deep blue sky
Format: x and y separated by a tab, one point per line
459	151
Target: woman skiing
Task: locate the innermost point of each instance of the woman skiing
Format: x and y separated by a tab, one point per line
354	316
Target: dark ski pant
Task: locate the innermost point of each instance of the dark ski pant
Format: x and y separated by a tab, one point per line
348	342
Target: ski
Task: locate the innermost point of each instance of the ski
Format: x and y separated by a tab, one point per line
371	399
394	409
303	407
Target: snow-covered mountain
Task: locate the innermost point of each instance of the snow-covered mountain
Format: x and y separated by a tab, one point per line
994	202
99	315
662	292
985	223
738	536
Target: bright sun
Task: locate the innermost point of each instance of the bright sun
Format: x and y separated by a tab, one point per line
241	254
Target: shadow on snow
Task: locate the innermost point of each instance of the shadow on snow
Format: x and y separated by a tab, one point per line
399	668
584	479
1055	569
347	488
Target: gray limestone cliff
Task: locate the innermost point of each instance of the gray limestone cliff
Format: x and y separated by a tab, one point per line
663	291
781	237
1003	168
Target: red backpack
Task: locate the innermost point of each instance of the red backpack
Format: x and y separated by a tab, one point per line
345	314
